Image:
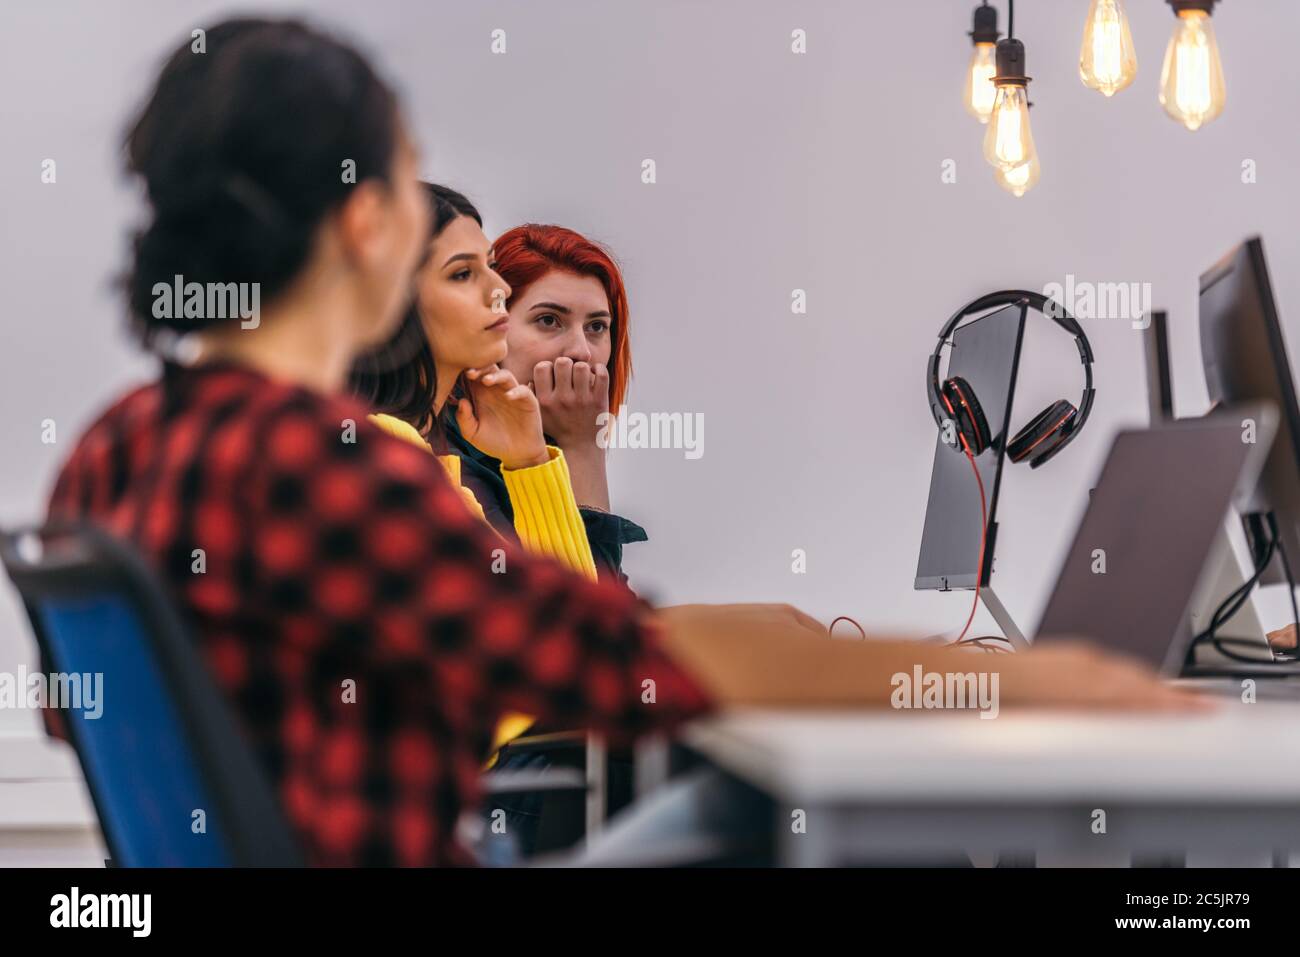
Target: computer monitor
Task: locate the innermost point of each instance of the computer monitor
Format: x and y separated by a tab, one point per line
986	353
1225	575
1129	584
1245	359
1160	384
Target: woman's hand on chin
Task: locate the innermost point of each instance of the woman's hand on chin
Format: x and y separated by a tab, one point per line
504	420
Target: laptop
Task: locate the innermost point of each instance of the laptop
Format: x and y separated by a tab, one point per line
1140	552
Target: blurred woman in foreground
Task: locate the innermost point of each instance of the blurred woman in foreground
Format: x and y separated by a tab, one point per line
338	556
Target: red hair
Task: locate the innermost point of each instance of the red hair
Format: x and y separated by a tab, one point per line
527	253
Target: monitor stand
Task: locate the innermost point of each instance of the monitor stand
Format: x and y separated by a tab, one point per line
1003	618
1223	577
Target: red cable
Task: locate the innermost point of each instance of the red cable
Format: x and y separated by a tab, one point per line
861	631
979	569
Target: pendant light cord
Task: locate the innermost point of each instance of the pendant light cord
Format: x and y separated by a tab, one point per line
1011	19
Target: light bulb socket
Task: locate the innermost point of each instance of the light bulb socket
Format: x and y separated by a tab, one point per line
1011	64
984	27
1182	6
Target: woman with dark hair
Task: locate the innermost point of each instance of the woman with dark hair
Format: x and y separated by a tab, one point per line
333	553
401	376
443	358
448	344
433	355
349	607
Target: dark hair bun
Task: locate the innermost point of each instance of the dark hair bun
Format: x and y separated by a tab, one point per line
242	150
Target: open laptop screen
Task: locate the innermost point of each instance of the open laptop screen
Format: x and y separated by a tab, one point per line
1129	575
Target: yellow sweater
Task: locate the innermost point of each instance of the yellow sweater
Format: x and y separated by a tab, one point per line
547	521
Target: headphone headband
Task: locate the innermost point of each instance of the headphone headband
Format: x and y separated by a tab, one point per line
1045	305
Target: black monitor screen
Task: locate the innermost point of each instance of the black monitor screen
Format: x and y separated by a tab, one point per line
1245	360
985	353
1160	386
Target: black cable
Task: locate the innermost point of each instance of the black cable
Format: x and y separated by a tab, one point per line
1262	555
1234	602
1011	20
990	649
1257	533
1221	616
1229	607
972	641
1272	546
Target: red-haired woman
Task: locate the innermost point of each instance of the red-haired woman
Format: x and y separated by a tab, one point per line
568	339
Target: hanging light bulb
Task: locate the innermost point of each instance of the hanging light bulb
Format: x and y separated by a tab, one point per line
979	82
1191	82
979	93
1008	142
1019	179
1107	60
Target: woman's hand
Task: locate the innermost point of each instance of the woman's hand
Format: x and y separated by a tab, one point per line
572	395
1283	639
1077	675
504	420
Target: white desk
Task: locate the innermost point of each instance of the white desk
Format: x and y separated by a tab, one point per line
46	815
883	785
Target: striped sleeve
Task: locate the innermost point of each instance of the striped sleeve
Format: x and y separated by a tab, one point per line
546	513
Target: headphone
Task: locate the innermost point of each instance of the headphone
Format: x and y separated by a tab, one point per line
953	399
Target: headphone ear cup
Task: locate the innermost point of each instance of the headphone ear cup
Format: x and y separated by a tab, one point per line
967	414
1044	435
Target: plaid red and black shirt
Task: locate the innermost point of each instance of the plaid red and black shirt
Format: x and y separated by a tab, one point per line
334	553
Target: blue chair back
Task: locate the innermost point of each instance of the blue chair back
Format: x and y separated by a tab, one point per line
173	780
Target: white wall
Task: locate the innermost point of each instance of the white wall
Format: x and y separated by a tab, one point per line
776	171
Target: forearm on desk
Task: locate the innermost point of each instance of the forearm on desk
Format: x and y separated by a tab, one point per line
748	668
756	662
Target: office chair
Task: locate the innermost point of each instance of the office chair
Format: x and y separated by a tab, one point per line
165	745
574	788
